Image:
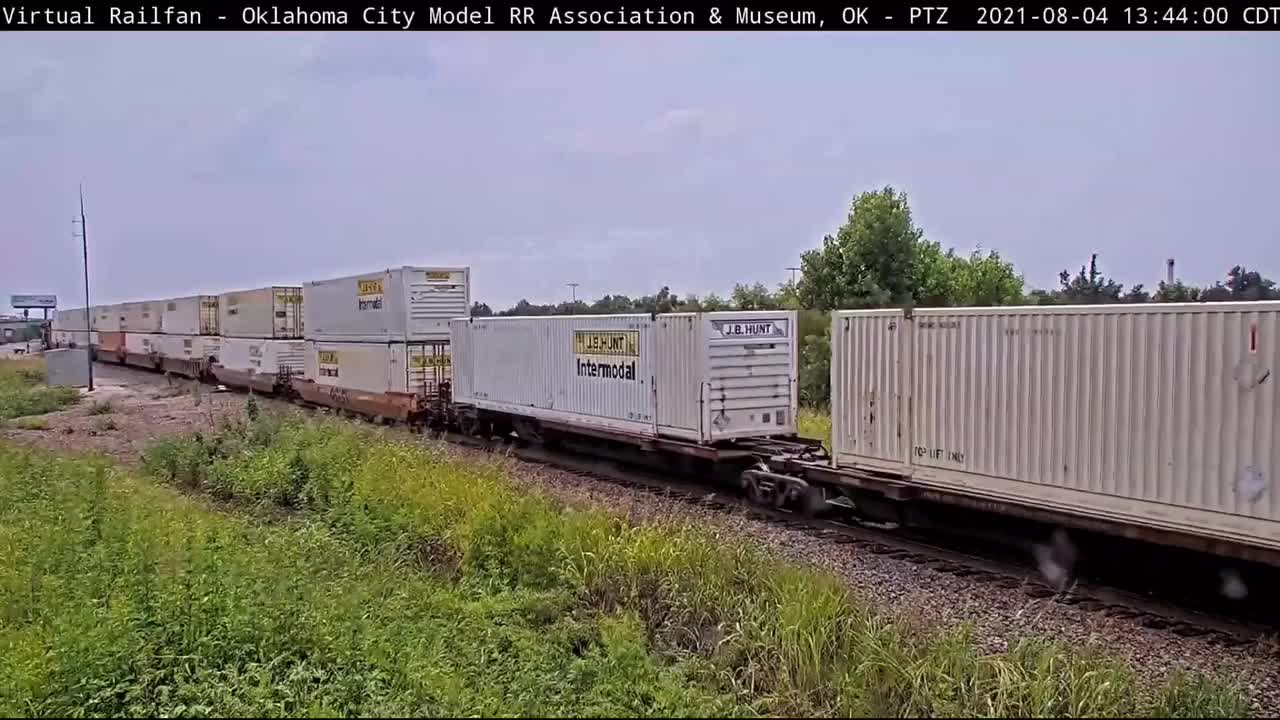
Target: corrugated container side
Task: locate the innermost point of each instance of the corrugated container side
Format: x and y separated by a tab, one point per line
414	368
869	371
591	370
680	364
141	317
107	318
190	347
462	355
264	356
405	304
195	315
271	312
751	370
1160	415
1169	405
142	343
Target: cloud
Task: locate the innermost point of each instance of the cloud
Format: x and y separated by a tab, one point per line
344	58
26	103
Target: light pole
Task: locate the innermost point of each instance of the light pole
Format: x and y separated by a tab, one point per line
574	286
88	311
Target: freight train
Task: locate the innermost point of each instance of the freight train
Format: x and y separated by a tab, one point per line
1155	423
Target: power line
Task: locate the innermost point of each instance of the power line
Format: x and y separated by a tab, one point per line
793	270
575	292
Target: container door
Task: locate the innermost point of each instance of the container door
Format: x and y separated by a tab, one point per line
870	386
429	365
433	298
750	372
287	306
209	315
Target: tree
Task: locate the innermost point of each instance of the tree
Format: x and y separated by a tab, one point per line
1177	292
1136	294
1242	285
873	259
815	370
753	297
479	309
1088	289
983	280
713	302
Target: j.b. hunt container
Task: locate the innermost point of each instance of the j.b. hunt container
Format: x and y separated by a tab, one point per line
194	315
140	317
270	357
1165	416
269	312
406	304
194	348
701	377
403	368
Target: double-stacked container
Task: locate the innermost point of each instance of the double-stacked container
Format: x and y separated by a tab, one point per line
385	332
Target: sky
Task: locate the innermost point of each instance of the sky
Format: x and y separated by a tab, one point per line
622	161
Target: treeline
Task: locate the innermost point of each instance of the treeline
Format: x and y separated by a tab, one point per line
880	258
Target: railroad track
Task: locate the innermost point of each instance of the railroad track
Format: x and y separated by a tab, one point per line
910	547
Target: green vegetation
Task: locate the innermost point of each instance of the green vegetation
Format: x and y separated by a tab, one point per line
104	424
815	423
33	422
707	625
22	391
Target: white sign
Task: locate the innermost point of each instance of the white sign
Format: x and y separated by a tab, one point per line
734	329
33	301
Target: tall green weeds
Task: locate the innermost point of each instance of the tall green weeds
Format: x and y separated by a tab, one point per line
118	597
23	393
793	640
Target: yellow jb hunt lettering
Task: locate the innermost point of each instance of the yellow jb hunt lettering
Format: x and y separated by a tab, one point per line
623	343
369	295
438	276
430	361
328	363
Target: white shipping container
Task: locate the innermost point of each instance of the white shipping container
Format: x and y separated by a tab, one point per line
74	319
140	317
264	356
703	377
414	368
194	315
1158	415
188	347
66	338
404	304
107	318
142	343
271	312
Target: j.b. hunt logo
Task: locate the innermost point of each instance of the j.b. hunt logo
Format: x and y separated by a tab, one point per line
610	354
369	294
750	328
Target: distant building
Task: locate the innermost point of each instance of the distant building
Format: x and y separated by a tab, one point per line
18	330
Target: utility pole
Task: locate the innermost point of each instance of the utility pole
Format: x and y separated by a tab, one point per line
793	274
575	292
88	311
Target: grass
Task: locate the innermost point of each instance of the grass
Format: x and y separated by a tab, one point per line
731	621
30	423
104	424
23	393
122	598
815	423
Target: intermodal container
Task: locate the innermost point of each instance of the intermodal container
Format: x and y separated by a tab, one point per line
194	315
111	342
205	348
406	304
701	377
1161	415
142	343
73	319
271	357
107	318
140	317
412	368
270	312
